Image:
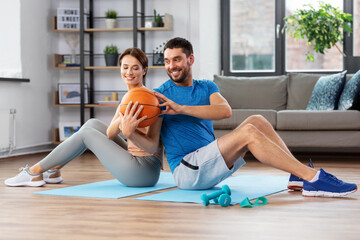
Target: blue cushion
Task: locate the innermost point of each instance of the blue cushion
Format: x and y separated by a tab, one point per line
326	93
348	98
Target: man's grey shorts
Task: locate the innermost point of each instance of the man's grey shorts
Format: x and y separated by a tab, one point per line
204	168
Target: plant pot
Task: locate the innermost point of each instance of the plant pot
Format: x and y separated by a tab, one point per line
157	24
110	23
111	59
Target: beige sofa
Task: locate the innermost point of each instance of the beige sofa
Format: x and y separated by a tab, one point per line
282	100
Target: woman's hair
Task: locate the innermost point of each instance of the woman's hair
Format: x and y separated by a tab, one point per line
138	54
180	43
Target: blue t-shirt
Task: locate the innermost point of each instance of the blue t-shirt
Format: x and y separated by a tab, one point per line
183	134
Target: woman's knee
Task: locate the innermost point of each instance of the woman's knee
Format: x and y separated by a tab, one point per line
96	124
92	122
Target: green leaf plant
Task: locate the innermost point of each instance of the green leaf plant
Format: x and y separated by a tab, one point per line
111	49
111	14
157	18
323	28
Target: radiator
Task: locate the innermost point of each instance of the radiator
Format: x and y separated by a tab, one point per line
7	130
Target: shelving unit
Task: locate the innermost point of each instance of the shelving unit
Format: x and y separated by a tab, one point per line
167	27
58	59
137	17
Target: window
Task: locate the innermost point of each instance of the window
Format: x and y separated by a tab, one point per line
253	45
356	28
252	39
296	49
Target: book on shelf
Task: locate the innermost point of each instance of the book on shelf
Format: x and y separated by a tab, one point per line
108	103
68	65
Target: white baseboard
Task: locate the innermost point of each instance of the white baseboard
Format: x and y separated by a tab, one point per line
47	147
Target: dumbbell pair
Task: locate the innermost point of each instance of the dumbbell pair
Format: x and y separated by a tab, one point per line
222	197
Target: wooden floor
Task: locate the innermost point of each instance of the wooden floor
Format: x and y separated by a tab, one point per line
288	215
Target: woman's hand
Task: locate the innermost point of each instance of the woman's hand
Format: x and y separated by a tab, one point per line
114	128
172	108
129	121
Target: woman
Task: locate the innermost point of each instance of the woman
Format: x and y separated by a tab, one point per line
124	161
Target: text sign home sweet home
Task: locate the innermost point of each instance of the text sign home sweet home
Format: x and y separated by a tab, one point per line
69	18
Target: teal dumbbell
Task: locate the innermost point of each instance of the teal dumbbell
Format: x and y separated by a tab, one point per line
224	190
224	200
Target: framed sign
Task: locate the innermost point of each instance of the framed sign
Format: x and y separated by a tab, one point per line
67	129
69	93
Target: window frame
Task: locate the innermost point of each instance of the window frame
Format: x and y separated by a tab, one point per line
350	62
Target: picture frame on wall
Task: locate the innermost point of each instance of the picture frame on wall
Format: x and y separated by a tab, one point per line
69	93
67	129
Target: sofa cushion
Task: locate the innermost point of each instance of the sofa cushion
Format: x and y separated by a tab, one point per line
239	115
300	88
254	92
318	120
327	91
348	98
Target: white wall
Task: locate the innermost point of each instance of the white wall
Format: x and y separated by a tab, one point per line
32	101
197	21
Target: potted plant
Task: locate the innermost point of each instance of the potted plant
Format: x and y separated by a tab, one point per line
111	55
110	20
158	22
323	28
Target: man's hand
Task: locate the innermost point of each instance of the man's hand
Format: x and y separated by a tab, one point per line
129	121
172	108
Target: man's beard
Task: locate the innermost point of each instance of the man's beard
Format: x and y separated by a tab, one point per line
183	76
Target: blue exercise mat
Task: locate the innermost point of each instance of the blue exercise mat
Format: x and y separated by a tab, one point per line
251	186
111	189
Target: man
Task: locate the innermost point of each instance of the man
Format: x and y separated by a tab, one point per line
197	160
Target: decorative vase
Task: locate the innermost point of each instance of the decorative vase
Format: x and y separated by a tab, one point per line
73	56
111	59
110	23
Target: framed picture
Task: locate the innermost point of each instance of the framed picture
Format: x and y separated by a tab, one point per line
69	93
66	129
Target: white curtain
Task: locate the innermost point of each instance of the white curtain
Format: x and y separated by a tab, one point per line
10	44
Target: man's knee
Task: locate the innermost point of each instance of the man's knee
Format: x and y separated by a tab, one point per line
257	119
249	130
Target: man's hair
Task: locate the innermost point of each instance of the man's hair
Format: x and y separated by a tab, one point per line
182	43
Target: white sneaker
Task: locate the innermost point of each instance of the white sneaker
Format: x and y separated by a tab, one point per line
24	178
52	176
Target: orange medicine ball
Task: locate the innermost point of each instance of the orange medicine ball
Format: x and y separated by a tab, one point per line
147	99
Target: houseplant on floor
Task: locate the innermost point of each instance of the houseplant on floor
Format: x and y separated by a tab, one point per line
111	55
323	28
110	20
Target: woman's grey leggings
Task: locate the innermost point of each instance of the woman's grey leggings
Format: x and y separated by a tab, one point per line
130	170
